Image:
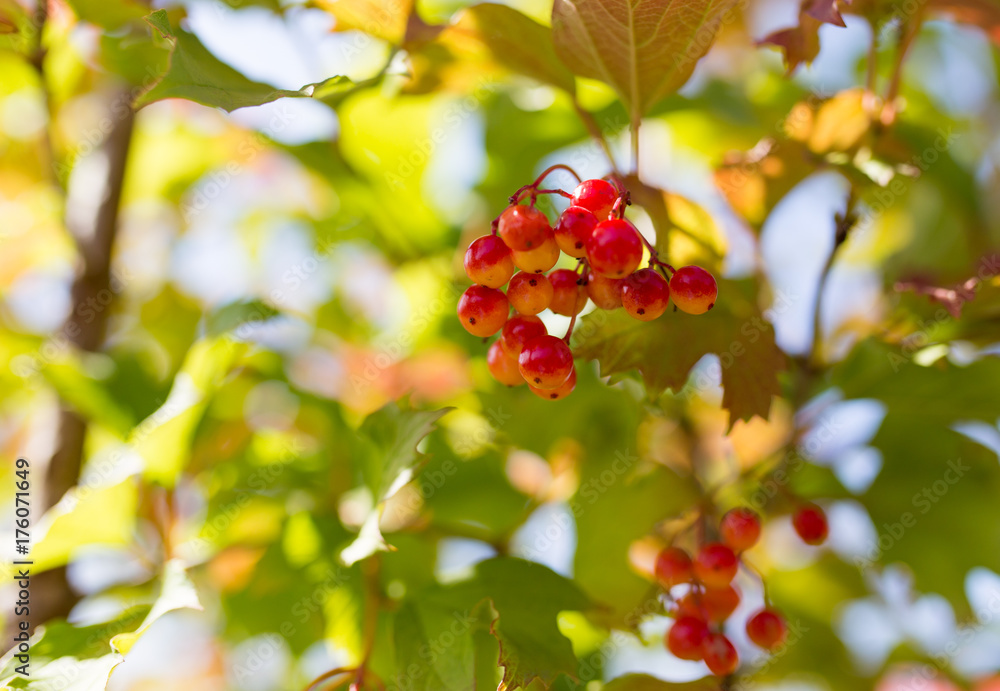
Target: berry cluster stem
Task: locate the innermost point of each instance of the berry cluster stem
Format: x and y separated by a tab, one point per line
654	259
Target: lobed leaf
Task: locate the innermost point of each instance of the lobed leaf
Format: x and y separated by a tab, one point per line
665	350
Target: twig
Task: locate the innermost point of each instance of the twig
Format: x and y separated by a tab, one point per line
909	32
844	224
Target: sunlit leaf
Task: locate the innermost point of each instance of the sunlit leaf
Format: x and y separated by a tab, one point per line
81	658
92	514
389	439
197	75
665	350
108	14
517	42
384	20
645	49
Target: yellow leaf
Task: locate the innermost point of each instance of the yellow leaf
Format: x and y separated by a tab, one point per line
840	123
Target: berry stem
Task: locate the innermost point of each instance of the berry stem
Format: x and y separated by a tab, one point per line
654	257
756	572
557	166
563	193
624	199
569	330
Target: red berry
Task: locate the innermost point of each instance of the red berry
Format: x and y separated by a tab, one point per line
529	293
715	565
488	262
645	294
518	330
502	366
810	523
767	629
573	230
483	310
719	603
686	638
561	391
523	227
693	289
546	362
673	566
720	655
740	528
615	248
568	296
597	196
711	604
538	259
605	292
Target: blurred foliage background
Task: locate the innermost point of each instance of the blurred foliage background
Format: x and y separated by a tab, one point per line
263	448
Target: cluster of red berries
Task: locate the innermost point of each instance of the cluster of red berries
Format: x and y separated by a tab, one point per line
608	250
699	616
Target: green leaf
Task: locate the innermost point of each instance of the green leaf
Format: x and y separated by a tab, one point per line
665	350
81	658
107	14
388	441
525	599
87	393
419	624
92	515
644	49
393	434
931	474
517	42
164	439
236	314
176	592
197	75
612	509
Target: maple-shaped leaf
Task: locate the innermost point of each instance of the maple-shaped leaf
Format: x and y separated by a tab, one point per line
665	349
825	11
799	43
644	49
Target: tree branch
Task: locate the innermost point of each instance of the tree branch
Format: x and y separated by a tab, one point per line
95	237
